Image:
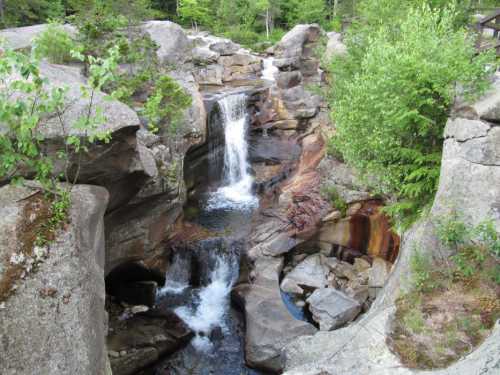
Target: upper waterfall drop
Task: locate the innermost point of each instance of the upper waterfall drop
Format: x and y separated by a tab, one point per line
270	70
236	191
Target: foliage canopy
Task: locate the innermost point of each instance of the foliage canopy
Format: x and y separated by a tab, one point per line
392	95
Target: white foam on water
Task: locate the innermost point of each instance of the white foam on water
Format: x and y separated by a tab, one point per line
173	287
236	193
269	72
212	308
176	277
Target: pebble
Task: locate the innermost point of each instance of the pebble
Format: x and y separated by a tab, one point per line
160	338
113	354
138	309
300	303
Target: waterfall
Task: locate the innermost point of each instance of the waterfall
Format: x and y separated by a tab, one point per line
213	303
236	192
177	275
204	308
269	72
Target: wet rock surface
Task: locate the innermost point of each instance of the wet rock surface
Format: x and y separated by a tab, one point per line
139	337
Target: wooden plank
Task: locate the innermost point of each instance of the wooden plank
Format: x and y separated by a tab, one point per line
495	26
489	46
492	16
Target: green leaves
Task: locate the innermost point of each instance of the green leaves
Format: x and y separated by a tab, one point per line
26	102
23	102
166	105
54	43
392	96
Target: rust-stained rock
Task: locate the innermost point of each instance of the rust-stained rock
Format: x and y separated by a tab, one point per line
368	232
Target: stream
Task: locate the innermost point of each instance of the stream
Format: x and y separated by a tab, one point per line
199	282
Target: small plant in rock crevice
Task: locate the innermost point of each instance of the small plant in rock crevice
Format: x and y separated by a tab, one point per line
331	193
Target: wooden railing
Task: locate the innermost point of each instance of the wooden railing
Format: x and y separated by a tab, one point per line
489	22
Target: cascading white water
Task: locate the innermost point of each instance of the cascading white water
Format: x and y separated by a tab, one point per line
269	72
236	193
213	304
177	276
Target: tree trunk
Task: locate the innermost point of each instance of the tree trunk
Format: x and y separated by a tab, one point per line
2	16
267	23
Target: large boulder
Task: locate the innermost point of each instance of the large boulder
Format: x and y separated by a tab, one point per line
332	309
310	273
117	165
54	322
20	38
175	48
142	339
293	43
269	325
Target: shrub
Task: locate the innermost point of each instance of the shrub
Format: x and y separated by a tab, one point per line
166	105
473	246
55	44
392	95
451	231
244	36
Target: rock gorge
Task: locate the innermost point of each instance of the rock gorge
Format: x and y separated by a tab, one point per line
311	287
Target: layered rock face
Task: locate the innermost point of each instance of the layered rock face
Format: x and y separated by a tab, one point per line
54	322
218	61
135	231
468	171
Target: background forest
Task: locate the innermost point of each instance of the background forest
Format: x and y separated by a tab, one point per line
249	22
